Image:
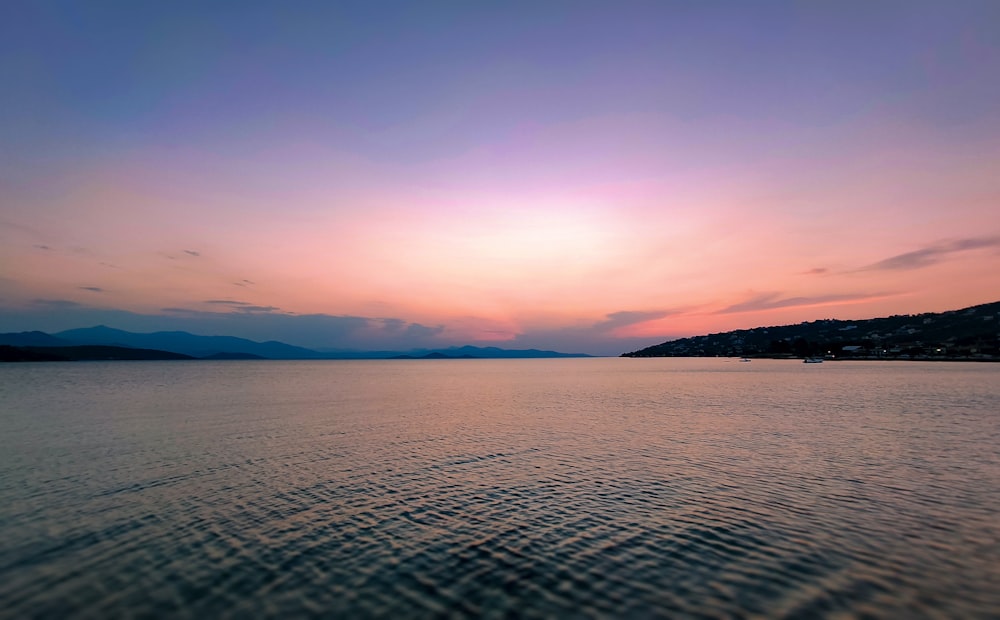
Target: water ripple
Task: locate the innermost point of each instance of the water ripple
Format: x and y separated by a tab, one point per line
498	490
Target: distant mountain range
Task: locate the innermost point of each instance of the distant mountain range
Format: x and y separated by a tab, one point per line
185	343
968	334
189	345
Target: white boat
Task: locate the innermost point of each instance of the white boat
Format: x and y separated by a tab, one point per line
813	360
744	359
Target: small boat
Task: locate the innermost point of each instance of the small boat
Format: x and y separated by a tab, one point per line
744	359
813	360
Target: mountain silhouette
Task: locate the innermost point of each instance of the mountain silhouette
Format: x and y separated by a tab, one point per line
33	339
84	352
230	347
186	343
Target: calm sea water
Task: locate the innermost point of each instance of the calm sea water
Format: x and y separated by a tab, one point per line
500	488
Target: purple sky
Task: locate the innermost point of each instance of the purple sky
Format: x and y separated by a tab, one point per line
585	176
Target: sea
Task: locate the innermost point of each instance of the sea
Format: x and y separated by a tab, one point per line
550	488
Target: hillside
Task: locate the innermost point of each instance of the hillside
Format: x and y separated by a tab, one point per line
83	353
970	333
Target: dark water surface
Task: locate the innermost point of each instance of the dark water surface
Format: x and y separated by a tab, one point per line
500	488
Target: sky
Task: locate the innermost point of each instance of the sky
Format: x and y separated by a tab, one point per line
581	176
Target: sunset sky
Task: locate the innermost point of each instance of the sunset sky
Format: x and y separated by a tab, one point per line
581	176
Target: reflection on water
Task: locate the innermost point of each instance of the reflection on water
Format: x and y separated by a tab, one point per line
583	487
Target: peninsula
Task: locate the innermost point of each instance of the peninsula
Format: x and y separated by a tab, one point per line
969	334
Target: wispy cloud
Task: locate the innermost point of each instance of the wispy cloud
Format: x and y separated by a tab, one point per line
233	307
624	318
816	271
775	300
257	309
21	228
42	246
92	289
399	327
932	254
313	330
242	306
55	303
416	330
172	256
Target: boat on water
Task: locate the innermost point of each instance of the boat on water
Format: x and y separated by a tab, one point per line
744	359
813	360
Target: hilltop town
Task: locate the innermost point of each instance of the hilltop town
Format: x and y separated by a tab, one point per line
969	334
